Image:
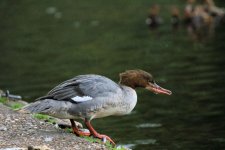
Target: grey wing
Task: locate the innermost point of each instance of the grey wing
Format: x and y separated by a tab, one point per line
83	85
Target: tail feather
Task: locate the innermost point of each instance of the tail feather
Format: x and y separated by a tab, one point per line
58	109
36	107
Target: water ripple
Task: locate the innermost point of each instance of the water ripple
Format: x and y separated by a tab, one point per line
149	125
146	141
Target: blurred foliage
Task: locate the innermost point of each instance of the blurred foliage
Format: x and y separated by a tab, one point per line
45	118
3	100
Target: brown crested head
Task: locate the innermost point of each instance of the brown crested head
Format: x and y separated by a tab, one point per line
135	78
140	78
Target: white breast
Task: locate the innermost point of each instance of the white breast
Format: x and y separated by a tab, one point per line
130	99
121	105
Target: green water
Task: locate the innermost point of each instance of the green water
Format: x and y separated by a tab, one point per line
43	43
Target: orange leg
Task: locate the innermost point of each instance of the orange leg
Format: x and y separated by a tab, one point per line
96	134
77	131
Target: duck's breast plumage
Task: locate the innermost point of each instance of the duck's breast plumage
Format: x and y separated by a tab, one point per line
119	104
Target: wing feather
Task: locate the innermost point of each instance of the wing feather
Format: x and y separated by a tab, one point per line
83	85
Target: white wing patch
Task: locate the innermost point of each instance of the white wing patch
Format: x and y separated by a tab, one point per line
81	98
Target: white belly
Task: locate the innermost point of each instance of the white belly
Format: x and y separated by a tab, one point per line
120	107
106	112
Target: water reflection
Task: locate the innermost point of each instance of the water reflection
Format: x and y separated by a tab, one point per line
149	125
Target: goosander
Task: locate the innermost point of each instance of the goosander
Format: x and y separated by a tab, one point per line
94	96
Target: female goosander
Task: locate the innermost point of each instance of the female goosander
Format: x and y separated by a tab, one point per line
94	96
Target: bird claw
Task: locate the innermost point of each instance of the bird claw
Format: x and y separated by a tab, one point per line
105	138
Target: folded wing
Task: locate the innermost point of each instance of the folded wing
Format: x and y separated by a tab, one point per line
82	88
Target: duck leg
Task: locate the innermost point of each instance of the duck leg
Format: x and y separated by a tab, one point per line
96	134
77	131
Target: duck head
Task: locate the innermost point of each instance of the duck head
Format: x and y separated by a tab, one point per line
140	78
